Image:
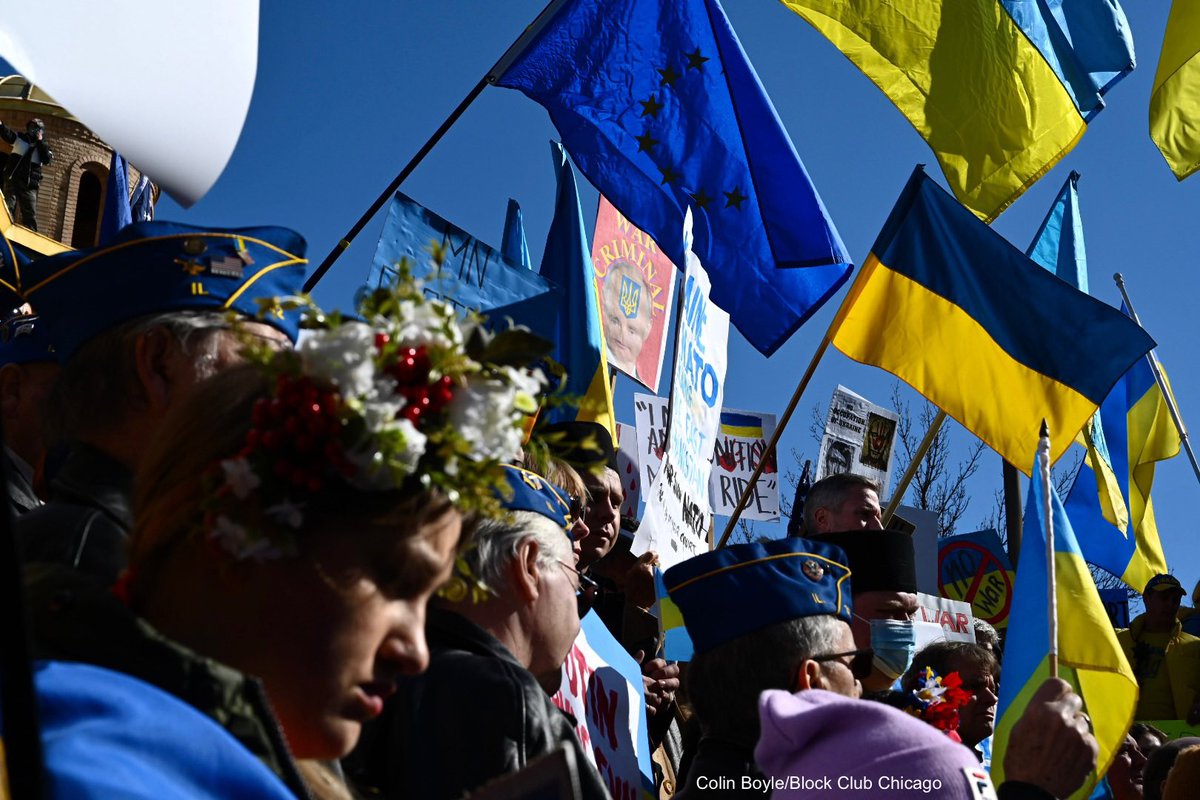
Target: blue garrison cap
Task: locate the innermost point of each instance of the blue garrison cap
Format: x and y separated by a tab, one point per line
23	340
154	267
744	588
532	492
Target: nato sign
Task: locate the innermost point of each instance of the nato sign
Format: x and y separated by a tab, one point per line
474	276
974	567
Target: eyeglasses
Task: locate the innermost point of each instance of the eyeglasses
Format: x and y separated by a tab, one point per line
860	664
578	508
584	592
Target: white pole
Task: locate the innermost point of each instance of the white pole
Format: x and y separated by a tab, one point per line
1043	469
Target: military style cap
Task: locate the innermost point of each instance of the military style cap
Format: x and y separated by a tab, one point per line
532	492
744	588
23	340
882	560
1164	583
153	267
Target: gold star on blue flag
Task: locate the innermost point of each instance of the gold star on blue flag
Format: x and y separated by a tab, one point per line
771	250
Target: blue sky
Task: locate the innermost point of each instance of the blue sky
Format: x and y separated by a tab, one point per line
346	94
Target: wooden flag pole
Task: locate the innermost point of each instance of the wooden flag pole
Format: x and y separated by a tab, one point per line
918	457
510	55
770	448
1162	383
1043	466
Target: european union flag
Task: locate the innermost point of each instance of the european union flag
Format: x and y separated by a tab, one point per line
661	110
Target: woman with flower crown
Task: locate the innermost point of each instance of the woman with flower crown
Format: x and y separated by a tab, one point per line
291	525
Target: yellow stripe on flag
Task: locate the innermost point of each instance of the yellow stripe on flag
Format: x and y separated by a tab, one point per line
1175	100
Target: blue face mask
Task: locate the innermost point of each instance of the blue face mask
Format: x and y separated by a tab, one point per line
895	644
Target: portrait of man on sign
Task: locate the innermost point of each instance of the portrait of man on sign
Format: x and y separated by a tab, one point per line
877	443
626	315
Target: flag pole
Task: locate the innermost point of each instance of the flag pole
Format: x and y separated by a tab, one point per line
1162	383
510	55
1043	466
770	448
918	457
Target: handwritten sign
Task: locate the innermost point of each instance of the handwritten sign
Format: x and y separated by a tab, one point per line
859	438
602	688
627	468
635	282
973	567
953	616
677	516
474	275
741	441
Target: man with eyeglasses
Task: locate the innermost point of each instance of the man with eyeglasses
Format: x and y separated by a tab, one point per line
135	324
769	615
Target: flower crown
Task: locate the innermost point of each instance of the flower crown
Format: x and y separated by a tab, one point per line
407	394
936	700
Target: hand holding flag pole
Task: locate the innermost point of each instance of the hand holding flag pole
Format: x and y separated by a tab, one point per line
1152	360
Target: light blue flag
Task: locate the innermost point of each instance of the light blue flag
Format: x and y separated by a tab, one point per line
1058	245
661	110
142	202
513	246
579	338
116	204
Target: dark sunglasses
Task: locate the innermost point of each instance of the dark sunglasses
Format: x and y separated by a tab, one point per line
578	507
861	661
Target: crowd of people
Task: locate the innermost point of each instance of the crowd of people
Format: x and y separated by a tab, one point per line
275	552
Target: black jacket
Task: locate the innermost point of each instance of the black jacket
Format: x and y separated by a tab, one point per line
717	769
24	164
474	715
88	519
21	497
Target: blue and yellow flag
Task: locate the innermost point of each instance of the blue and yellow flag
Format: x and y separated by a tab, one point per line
661	110
947	305
1089	657
513	245
999	89
579	337
1139	432
1175	101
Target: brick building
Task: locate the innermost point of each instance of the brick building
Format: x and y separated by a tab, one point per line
72	194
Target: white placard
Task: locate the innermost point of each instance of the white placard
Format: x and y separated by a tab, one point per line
859	438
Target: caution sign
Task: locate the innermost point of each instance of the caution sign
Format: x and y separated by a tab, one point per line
974	568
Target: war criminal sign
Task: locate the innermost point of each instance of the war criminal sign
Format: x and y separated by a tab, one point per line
677	516
635	282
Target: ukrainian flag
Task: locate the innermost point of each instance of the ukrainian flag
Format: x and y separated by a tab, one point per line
677	644
579	338
1089	657
947	305
999	89
1139	433
1175	101
743	426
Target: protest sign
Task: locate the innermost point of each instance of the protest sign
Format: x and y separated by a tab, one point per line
859	438
741	442
474	276
954	616
627	468
602	688
635	283
677	517
973	567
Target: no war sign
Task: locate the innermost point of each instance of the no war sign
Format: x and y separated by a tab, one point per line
974	568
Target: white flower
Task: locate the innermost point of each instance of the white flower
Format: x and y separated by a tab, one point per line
231	536
484	414
286	513
376	473
414	445
240	477
427	323
343	355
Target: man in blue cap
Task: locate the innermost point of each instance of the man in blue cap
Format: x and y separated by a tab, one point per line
769	615
497	645
135	324
27	371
